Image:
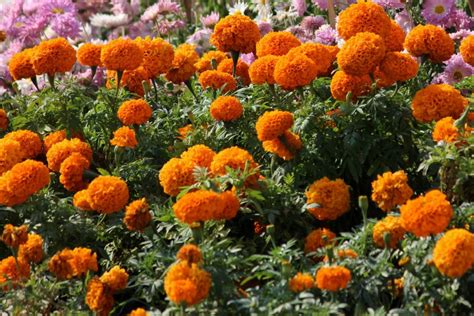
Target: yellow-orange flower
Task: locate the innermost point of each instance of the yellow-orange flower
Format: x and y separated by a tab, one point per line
134	112
176	173
272	124
67	263
342	254
392	226
426	215
285	146
332	197
453	254
60	151
53	56
107	194
261	70
10	154
318	238
184	131
467	49
301	282
133	80
391	189
429	40
182	68
99	297
14	271
343	83
20	65
205	62
231	206
361	54
445	130
276	44
30	142
321	55
187	284
242	70
437	101
236	33
80	200
395	38
88	54
200	155
53	138
294	72
116	278
333	278
226	108
198	206
137	215
3	120
158	55
32	250
71	171
14	236
189	253
124	137
235	158
121	54
138	312
216	80
399	66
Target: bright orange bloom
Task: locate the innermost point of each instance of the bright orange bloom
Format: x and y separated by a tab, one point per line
189	253
294	72
453	254
20	65
71	172
332	198
88	54
67	263
124	137
13	271
301	282
391	189
30	142
395	38
198	206
99	297
60	151
333	278
467	49
11	153
276	44
445	130
429	40
235	158
136	111
226	108
392	226
133	80
285	146
318	238
321	55
32	250
342	84
399	66
182	68
184	131
231	206
236	33
217	80
342	254
107	194
3	120
158	55
137	215
53	56
121	54
200	155
138	312
242	70
14	236
80	200
205	62
53	138
272	124
116	278
261	70
176	173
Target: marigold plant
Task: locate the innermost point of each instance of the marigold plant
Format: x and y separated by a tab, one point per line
189	253
21	66
175	174
399	66
124	137
182	68
136	111
3	120
235	158
294	72
80	200
31	145
276	44
116	278
391	189
137	215
99	297
53	56
231	206
133	80
318	238
261	71
272	124
206	61
63	149
200	155
121	54
217	80
343	83
453	254
331	196
32	249
333	278
107	194
13	271
429	40
226	108
11	153
242	69
67	263
236	33
14	236
285	146
88	54
71	170
301	282
395	38
158	55
446	130
198	206
390	226
467	49
321	55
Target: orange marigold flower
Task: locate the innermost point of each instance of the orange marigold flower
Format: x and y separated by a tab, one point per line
272	124
235	158
11	153
84	260
32	250
3	120
205	62
53	56
399	66
80	200
445	130
429	40
285	146
133	80
242	70
13	271
231	206
200	155
88	54
138	312
134	112
107	194
216	80
99	297
60	151
176	173
71	171
236	33
294	72
382	79
333	278
124	137
121	54
14	236
395	38
116	278
467	49
189	253
276	44
342	254
187	283
68	263
332	198
391	189
182	68
318	238
261	70
158	55
361	54
437	101
53	138
226	108
343	83
198	206
392	226
321	55
184	131
137	215
301	282
20	65
30	142
453	254
426	215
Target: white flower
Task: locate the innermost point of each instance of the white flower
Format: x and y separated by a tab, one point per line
238	7
107	20
264	10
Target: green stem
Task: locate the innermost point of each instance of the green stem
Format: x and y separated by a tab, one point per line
119	79
235	60
51	81
191	89
35	83
155	88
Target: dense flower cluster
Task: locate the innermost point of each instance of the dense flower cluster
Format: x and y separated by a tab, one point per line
88	54
226	108
388	232
31	145
343	83
236	33
158	55
67	263
333	278
107	194
318	238
391	189
276	44
13	271
200	155
137	215
332	198
323	56
121	54
261	71
301	282
453	254
32	249
182	67
429	40
124	137
175	174
134	112
446	130
242	69
399	66
207	60
14	236
63	149
296	71
272	124
217	80
235	158
71	170
20	65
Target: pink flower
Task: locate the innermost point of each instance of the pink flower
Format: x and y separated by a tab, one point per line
210	20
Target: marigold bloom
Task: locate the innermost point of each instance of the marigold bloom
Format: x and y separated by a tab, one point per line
399	66
453	254
185	283
53	56
426	215
333	278
60	151
382	79
235	158
205	62
261	71
389	225
445	130
321	55
294	72
11	153
226	108
467	49
3	120
138	312
361	54
301	282
429	40
124	137
276	44
184	131
14	236
137	215
342	254
99	297
158	55
30	142
216	80
13	271
133	80
20	65
273	124
116	278
107	194
80	200
182	68
89	55
332	197
285	146
437	101
242	70
176	173
395	38
231	206
200	155
121	54
343	83
68	263
391	189
71	171
53	138
198	206
237	33
32	249
318	238
134	112
190	253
